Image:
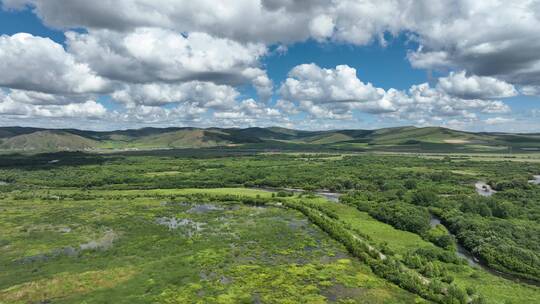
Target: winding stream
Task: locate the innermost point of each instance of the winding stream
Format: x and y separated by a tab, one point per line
473	261
461	251
482	189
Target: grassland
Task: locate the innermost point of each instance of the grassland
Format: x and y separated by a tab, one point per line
239	253
193	228
494	288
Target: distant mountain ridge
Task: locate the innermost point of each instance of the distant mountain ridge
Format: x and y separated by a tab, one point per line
48	140
406	139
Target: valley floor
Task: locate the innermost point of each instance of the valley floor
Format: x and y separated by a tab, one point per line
219	252
74	232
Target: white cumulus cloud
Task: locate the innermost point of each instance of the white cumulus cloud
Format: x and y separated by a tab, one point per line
498	120
200	94
197	56
487	38
35	63
87	109
311	82
155	54
471	87
337	93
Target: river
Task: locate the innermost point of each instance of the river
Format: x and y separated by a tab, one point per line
461	251
475	262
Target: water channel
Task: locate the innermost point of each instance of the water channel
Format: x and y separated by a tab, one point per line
482	189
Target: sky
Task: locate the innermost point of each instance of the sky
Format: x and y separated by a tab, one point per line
304	64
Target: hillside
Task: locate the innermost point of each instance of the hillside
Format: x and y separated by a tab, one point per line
48	141
400	139
183	139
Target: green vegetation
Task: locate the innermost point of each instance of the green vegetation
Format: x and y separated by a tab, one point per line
188	226
47	141
403	139
221	250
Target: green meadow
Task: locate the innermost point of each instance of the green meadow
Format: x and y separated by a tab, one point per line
123	228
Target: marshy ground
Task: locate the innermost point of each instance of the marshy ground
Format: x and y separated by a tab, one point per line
76	231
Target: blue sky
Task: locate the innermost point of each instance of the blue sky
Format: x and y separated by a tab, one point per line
386	66
13	22
327	68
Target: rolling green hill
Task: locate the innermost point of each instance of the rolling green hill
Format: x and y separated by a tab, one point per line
46	141
399	139
187	138
430	134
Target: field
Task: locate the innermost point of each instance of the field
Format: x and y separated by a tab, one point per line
225	252
204	228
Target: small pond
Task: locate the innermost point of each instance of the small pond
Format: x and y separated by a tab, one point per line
484	189
535	180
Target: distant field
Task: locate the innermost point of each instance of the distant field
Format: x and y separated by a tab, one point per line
528	157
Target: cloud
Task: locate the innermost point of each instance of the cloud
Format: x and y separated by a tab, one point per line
429	60
337	93
182	114
327	92
287	107
195	55
498	120
249	112
30	104
39	64
193	101
422	103
14	4
530	90
241	20
354	21
155	54
39	98
149	66
87	109
487	38
463	34
311	82
475	87
291	20
321	27
152	55
351	21
200	94
260	80
359	22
